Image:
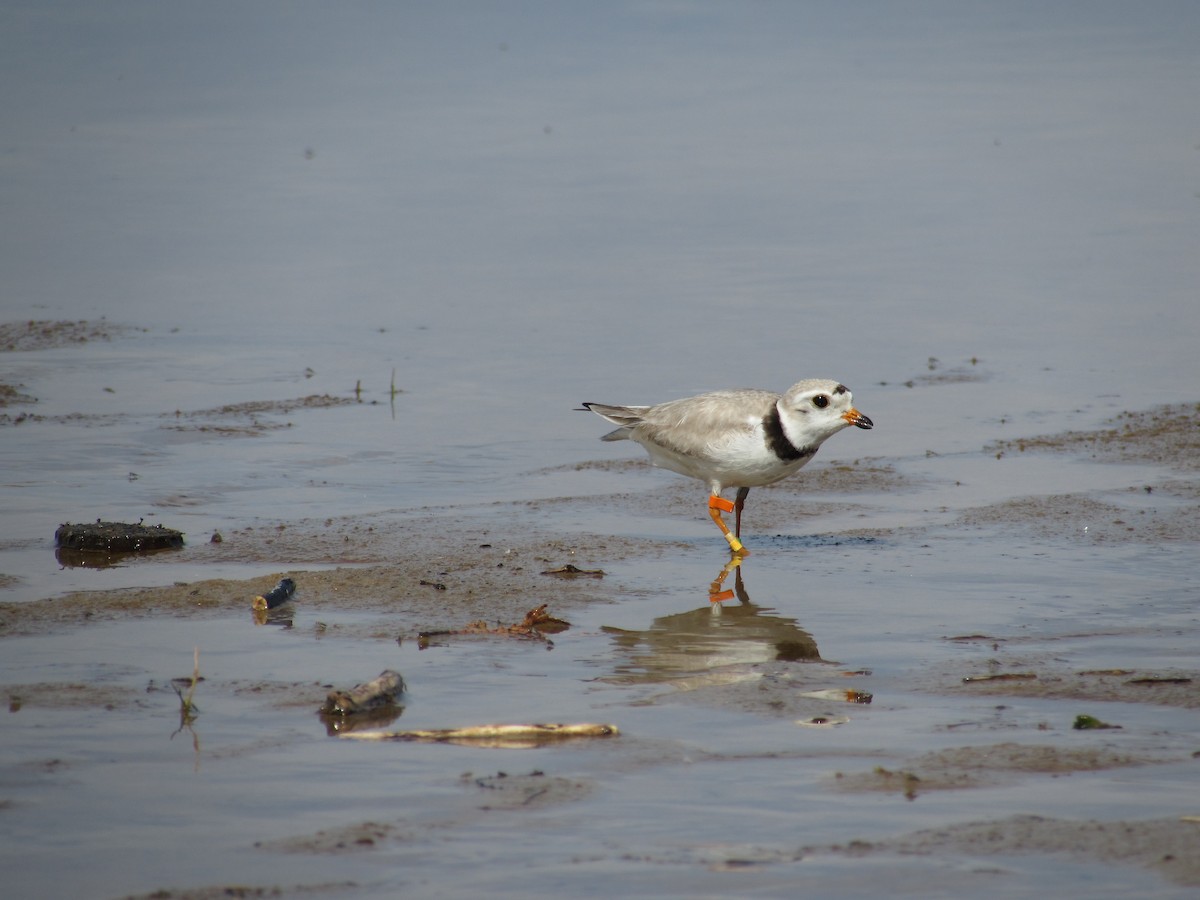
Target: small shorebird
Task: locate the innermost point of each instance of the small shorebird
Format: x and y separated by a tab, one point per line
743	438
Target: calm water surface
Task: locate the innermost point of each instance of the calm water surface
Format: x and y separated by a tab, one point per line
516	208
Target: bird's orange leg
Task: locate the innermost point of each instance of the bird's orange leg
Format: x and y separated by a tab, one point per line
716	505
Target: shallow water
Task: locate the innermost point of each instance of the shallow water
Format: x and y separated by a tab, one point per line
982	221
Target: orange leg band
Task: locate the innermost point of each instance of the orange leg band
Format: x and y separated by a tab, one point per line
717	502
715	506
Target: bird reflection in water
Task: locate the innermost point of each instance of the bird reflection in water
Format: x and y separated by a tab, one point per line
717	591
719	643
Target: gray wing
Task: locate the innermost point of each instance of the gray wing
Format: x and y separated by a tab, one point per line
691	426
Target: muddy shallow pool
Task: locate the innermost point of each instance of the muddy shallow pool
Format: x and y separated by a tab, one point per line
323	291
872	701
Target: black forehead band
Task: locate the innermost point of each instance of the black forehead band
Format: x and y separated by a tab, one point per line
840	389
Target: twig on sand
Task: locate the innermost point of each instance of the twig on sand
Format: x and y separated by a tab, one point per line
536	625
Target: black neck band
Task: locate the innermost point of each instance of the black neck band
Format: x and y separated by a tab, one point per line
777	440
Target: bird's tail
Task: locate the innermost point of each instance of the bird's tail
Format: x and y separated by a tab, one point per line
624	416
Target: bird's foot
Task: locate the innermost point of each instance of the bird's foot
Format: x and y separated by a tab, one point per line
736	547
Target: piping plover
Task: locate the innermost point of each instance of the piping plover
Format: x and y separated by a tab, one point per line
743	438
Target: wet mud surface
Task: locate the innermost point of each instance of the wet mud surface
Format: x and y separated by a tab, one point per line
41	334
981	766
394	577
1017	667
447	577
1165	846
1165	435
243	419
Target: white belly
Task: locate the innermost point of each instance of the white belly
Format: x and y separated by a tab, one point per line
746	462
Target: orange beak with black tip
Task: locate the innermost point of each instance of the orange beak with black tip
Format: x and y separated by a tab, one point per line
854	417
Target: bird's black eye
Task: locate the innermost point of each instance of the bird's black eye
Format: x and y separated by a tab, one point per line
820	401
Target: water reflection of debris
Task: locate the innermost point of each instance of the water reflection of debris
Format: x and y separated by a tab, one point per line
714	640
365	721
284	616
90	559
